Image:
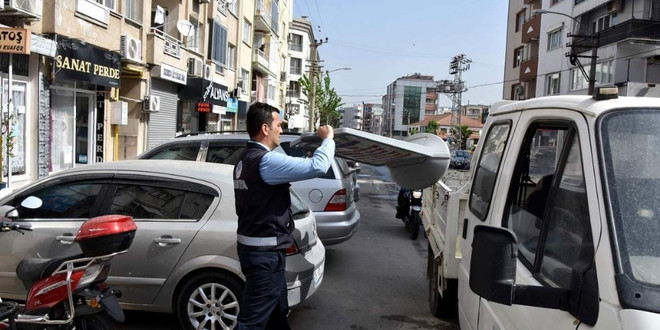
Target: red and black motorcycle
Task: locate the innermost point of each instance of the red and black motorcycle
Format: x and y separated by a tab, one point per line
70	292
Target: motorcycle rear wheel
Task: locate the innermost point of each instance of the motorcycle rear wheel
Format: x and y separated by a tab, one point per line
414	222
98	321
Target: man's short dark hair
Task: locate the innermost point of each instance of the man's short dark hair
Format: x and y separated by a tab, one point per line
257	115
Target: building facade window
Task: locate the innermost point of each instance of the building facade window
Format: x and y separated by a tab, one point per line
605	72
518	56
218	44
578	81
133	10
194	40
554	39
552	83
233	7
111	4
520	20
554	2
412	102
245	78
296	42
296	66
601	23
231	56
16	141
247	32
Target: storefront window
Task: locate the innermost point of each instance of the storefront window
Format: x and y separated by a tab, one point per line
16	139
71	137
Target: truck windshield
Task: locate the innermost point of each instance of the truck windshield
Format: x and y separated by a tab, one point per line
630	141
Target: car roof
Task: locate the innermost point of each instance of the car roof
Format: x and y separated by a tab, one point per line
584	104
211	172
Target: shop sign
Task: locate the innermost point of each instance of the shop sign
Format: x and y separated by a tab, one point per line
15	41
77	60
170	73
206	91
100	115
220	110
203	107
232	105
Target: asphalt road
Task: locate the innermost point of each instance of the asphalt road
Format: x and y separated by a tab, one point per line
374	281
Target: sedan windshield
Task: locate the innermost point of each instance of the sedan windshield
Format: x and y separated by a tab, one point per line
630	140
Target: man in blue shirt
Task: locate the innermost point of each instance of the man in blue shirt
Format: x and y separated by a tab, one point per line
265	224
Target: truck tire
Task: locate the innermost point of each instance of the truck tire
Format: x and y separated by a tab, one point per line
445	306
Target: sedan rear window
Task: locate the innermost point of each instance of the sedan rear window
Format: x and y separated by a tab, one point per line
186	151
148	202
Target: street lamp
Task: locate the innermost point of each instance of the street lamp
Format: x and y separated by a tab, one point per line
594	50
340	69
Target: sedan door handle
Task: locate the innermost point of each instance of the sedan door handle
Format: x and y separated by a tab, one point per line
166	240
65	239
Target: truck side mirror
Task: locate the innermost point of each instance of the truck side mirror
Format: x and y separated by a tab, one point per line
493	264
493	272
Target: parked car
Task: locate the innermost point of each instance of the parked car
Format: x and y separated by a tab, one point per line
183	258
331	197
460	159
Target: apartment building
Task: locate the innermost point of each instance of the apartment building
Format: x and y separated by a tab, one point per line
96	81
300	37
609	42
408	100
522	50
352	117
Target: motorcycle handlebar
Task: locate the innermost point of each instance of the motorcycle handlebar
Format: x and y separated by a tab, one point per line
7	226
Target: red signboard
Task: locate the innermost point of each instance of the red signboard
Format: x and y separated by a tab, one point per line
204	107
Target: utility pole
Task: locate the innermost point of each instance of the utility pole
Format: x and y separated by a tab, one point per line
454	89
313	72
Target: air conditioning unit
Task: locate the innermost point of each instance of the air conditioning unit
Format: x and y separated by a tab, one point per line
207	71
151	103
195	67
130	48
23	8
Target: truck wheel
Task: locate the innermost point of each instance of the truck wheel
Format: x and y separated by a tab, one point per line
209	301
415	222
445	306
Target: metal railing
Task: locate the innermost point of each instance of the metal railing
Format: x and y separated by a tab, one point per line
172	45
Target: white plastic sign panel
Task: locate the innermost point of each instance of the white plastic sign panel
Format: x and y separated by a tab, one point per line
417	162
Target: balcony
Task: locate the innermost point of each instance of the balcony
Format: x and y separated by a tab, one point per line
531	29
261	62
169	45
529	69
631	29
263	19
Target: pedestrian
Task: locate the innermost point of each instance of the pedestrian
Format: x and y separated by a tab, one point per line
265	224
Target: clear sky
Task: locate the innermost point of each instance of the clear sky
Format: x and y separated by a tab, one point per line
382	40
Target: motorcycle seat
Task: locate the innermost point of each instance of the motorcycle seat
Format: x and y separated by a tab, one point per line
30	270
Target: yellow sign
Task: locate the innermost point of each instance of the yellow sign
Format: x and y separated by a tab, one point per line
15	41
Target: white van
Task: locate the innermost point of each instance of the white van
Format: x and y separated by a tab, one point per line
560	218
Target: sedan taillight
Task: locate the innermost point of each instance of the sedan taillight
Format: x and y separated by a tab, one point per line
338	202
293	249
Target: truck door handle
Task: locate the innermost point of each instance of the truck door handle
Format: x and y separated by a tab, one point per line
465	227
65	238
166	240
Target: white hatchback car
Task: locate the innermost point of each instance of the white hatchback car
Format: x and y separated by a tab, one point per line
183	258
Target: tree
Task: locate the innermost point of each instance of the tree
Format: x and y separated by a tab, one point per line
327	101
465	133
432	127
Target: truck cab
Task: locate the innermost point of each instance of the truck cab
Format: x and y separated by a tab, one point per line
559	228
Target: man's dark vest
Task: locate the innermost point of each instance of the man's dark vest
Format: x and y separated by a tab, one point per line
264	213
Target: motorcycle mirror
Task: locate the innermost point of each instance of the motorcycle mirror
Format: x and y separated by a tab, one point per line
32	202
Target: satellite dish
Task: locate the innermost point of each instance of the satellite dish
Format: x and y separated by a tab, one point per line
184	27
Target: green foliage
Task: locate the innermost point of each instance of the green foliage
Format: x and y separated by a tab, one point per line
326	101
465	133
432	127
